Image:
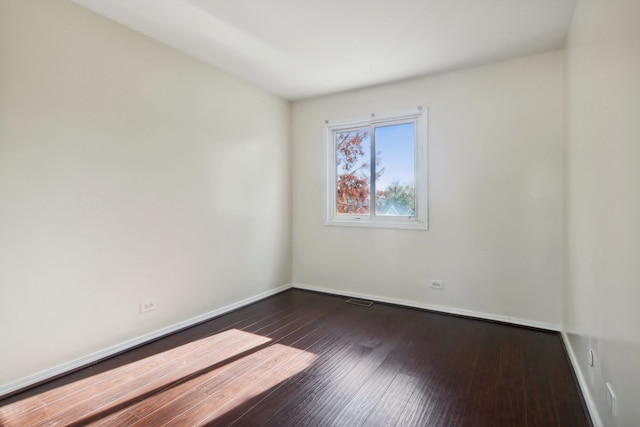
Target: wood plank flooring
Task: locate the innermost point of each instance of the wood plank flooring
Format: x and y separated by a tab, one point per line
303	358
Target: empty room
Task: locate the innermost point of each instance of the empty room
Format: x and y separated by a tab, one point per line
336	213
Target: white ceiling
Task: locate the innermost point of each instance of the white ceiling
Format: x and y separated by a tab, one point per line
303	48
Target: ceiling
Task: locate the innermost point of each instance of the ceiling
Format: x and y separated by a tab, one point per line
302	48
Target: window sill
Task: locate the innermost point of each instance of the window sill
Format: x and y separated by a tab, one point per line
408	224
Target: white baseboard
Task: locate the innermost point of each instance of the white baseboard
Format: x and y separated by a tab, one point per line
118	348
439	308
582	383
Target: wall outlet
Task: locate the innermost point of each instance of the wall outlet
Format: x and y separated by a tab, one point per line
437	284
611	400
147	306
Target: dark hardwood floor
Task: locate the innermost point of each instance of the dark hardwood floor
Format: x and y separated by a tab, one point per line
302	358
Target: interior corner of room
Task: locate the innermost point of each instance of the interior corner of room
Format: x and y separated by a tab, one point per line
143	191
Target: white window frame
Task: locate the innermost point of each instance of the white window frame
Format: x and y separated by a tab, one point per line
417	222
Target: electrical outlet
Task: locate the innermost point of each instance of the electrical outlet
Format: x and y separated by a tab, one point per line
147	306
611	400
437	284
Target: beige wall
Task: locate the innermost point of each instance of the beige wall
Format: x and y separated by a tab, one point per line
603	202
495	196
127	171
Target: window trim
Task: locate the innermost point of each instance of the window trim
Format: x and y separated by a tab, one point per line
417	222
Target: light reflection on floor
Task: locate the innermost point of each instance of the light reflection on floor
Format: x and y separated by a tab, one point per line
224	370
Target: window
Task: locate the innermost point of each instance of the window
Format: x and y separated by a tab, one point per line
376	171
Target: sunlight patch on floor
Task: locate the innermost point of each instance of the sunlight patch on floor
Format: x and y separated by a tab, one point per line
116	387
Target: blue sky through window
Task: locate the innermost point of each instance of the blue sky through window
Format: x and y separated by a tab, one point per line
395	145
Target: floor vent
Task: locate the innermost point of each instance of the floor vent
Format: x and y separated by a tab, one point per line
361	302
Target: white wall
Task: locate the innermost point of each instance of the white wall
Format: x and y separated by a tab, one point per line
127	171
495	202
603	202
130	171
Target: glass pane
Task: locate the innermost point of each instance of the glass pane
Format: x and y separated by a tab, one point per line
353	160
395	170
